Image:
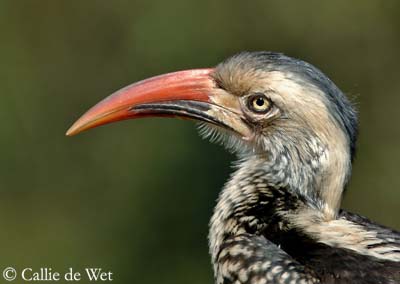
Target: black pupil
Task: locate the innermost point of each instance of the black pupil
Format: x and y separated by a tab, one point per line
260	102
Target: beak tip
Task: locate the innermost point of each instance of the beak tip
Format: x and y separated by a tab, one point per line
69	132
73	130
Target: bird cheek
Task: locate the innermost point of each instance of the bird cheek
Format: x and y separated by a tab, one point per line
232	119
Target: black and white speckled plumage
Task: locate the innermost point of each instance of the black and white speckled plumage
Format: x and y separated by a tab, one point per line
253	240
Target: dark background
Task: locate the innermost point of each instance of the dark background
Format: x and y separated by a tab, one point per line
135	197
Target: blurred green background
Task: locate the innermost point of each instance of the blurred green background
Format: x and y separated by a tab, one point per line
135	197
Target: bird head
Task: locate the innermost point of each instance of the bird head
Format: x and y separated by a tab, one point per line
279	113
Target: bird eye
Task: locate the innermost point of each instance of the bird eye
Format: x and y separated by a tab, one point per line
259	103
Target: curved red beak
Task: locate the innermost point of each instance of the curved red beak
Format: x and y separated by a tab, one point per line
183	94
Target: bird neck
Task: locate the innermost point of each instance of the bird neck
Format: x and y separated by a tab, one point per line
267	186
310	166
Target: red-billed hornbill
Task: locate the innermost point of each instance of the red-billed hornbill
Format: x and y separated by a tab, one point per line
278	218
